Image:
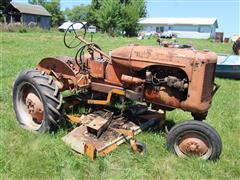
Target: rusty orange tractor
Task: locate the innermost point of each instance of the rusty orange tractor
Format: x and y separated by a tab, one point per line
163	78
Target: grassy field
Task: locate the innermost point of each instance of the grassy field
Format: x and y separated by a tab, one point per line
26	155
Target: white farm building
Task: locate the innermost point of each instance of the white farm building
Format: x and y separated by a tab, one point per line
199	28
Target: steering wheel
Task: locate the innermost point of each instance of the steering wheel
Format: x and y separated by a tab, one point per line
72	33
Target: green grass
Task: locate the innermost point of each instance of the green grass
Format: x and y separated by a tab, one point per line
44	156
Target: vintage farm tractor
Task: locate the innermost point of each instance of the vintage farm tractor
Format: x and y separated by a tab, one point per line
163	78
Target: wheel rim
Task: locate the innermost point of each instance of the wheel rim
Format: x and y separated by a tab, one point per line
30	106
193	143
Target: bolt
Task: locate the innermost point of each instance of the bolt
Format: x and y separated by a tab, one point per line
193	147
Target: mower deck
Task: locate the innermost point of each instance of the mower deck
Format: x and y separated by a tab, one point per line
115	131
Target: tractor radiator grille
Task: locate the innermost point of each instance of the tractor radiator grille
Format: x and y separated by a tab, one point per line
208	82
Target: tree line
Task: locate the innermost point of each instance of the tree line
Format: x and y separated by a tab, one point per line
116	16
110	16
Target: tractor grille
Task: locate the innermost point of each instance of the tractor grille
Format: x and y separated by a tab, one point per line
208	82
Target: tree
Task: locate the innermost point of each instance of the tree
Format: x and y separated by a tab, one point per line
54	8
93	12
77	13
131	12
117	15
3	5
108	16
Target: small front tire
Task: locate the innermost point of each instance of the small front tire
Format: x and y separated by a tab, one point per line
194	138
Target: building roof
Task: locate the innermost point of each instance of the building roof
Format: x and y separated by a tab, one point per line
31	9
179	21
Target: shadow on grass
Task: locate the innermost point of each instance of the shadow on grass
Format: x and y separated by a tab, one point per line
152	126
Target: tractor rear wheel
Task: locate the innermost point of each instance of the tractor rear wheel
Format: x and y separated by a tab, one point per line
194	138
37	102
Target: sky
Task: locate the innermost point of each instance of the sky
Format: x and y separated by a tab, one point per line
227	12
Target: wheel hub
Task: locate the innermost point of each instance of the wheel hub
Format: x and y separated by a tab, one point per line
193	144
34	107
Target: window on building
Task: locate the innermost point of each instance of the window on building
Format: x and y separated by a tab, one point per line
161	29
204	29
38	19
199	29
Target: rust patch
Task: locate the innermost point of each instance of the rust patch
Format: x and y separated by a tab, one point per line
35	107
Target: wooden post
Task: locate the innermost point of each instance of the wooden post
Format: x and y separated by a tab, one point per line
21	19
4	20
11	18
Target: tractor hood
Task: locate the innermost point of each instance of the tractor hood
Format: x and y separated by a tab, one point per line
138	57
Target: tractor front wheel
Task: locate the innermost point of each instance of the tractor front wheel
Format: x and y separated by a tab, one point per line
194	138
37	102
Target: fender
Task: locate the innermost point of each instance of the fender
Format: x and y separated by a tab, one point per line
65	71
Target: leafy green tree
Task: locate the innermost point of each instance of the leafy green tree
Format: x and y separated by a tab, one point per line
114	16
92	14
131	12
77	13
54	8
3	5
109	16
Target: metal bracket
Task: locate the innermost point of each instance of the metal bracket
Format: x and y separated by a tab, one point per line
106	102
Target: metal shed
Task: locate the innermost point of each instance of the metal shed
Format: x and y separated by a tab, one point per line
26	13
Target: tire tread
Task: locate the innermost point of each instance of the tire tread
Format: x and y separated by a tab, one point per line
50	95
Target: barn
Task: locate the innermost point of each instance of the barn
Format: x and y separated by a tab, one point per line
26	13
199	28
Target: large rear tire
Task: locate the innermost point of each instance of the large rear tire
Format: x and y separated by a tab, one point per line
37	102
194	138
